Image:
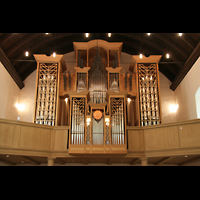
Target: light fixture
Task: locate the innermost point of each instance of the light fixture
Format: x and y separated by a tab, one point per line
107	120
167	55
87	35
7	156
66	100
129	100
20	107
148	34
47	33
88	120
26	53
186	156
173	108
180	34
140	55
109	34
54	54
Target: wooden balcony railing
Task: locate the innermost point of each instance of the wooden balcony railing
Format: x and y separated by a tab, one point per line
21	138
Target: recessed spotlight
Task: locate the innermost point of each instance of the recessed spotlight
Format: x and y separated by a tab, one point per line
148	34
180	34
109	34
167	55
47	33
26	53
87	35
54	54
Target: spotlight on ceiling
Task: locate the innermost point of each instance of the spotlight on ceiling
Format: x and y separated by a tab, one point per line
54	54
167	55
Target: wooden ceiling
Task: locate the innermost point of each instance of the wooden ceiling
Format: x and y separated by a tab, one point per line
184	50
183	160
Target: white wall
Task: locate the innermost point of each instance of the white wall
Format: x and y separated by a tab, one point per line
167	99
9	95
185	93
27	98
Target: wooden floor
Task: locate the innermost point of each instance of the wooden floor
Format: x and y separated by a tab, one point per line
14	160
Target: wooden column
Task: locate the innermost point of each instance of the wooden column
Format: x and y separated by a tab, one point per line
51	161
144	161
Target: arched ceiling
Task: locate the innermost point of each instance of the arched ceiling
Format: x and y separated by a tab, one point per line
184	50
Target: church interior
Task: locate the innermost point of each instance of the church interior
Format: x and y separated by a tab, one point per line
99	99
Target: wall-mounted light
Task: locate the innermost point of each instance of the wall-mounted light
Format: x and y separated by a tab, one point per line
107	120
87	35
140	55
109	34
129	100
66	100
20	107
173	108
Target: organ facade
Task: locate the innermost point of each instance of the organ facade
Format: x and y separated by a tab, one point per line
98	98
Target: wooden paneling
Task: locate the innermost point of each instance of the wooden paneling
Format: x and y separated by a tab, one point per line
161	138
34	138
189	135
60	138
135	140
29	136
164	140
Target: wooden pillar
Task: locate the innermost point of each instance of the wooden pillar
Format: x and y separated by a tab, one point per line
144	161
51	161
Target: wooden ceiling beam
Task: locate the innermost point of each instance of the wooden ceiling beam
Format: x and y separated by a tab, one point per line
60	161
187	66
135	161
164	160
84	161
7	162
6	38
190	162
109	161
19	44
31	160
11	70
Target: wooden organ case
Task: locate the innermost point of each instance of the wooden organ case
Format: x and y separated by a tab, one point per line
96	97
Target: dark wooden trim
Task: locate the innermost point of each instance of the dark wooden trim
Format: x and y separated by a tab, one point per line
187	66
11	70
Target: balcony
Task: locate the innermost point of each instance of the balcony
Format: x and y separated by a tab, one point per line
161	141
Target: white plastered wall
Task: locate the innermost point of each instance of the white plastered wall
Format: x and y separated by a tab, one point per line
9	95
185	93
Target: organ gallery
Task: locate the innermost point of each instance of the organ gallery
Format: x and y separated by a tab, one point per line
97	99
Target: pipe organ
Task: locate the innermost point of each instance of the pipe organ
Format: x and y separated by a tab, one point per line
148	95
97	97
